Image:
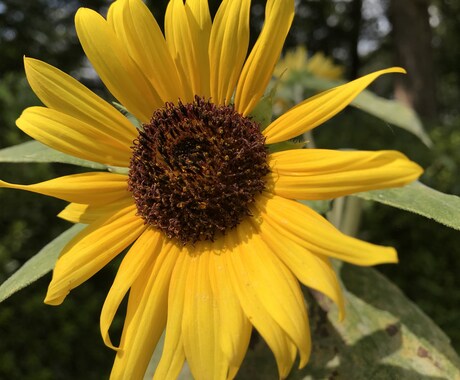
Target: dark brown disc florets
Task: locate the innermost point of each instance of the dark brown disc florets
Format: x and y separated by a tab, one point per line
196	168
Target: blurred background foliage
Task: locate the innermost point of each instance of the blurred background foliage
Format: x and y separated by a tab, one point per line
40	342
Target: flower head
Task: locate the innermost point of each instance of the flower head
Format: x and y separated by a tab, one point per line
217	241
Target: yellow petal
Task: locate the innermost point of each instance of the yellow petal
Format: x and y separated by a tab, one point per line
188	40
87	214
320	108
63	93
200	321
199	21
147	312
136	293
74	213
139	32
73	136
314	271
310	230
89	188
269	296
91	250
258	69
141	255
228	48
118	71
173	356
234	328
200	12
284	299
173	33
325	174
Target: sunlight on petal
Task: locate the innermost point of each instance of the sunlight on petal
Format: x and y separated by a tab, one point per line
320	108
325	174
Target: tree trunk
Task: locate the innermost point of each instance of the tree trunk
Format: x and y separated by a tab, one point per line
356	16
413	50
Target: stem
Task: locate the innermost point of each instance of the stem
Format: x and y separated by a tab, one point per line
352	216
346	214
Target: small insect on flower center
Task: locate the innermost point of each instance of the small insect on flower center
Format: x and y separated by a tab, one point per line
196	169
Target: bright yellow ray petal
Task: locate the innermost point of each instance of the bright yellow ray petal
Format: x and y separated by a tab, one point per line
63	93
249	290
89	188
201	15
200	321
118	71
87	214
138	30
309	229
228	48
325	174
172	34
277	288
73	136
173	356
199	19
75	213
141	255
234	328
258	69
91	250
147	313
314	271
188	43
136	293
320	108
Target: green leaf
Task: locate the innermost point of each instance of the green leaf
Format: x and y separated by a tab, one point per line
39	265
263	111
384	336
286	145
34	151
422	200
393	112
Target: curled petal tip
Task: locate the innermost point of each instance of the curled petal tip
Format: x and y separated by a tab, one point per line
53	301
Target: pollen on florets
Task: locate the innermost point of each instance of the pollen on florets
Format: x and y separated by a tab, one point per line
196	168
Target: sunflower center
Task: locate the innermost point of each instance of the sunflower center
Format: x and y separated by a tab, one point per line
196	168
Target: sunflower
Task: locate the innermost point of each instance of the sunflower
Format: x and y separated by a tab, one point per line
298	60
217	241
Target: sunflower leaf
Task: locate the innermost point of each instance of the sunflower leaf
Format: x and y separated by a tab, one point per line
384	336
393	112
422	200
38	265
34	151
286	145
384	333
263	111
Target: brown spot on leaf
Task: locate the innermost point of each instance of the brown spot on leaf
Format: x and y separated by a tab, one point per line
423	353
392	329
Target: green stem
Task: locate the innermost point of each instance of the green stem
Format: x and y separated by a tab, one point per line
346	214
